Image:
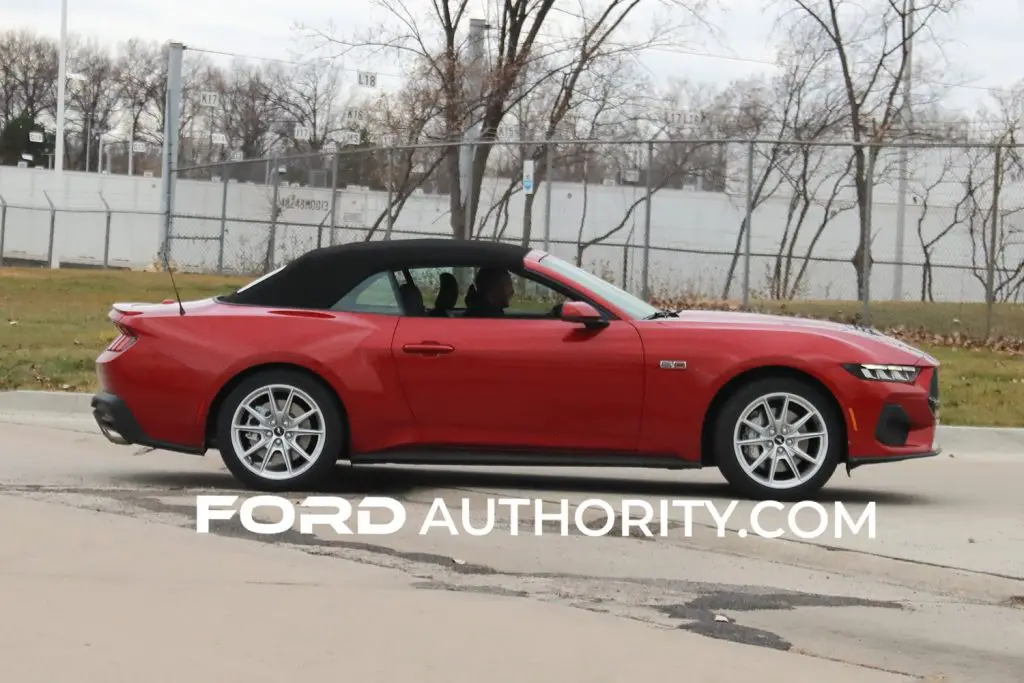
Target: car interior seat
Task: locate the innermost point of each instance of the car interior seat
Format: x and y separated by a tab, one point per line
447	296
412	299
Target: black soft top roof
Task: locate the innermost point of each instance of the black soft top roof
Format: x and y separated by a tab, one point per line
320	278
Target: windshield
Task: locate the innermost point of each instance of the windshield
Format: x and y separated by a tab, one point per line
632	306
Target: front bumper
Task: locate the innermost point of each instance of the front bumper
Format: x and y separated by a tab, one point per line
119	426
899	423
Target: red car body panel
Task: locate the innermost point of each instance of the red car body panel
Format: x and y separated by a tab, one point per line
539	385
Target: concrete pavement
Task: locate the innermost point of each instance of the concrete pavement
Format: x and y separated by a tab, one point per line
933	595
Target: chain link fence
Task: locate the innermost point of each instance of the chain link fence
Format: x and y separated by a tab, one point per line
760	223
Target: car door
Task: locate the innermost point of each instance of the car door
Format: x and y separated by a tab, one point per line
521	382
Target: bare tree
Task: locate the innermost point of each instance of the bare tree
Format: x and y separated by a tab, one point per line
138	72
28	75
922	197
247	108
995	218
870	43
401	120
197	75
798	105
93	98
309	96
480	95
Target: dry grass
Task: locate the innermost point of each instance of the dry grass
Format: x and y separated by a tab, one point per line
55	324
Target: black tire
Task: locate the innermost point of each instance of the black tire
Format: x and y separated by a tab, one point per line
728	460
308	390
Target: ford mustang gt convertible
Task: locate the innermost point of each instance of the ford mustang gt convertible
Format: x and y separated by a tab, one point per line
446	352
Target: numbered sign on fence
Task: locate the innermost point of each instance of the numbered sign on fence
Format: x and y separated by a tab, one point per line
219	139
528	176
237	155
139	147
303	133
367	79
35	136
352	137
208	98
330	148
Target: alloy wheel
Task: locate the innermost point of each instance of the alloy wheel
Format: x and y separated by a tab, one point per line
781	440
278	432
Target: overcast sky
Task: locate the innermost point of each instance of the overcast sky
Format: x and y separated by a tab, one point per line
986	46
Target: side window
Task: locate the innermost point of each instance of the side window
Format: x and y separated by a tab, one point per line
444	292
375	294
532	299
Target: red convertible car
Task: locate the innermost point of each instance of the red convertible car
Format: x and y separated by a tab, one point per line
450	352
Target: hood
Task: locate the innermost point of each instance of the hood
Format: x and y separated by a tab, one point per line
868	339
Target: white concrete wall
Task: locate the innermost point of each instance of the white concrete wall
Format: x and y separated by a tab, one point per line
704	224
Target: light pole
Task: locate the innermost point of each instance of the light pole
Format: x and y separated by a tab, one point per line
62	84
62	67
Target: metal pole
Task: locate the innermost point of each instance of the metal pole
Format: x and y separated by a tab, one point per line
62	84
51	252
107	232
467	150
549	179
470	221
391	191
908	122
272	240
172	130
990	275
58	155
88	141
865	257
334	197
3	228
646	272
747	226
223	217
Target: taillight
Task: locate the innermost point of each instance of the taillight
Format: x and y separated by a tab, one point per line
125	340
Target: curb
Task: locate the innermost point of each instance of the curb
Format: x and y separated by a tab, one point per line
952	439
45	402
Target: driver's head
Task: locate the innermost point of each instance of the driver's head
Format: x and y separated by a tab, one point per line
495	286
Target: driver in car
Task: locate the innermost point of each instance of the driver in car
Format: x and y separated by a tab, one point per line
490	294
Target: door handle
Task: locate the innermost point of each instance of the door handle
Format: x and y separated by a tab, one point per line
428	348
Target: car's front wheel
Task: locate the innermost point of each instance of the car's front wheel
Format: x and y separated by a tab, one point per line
279	430
778	438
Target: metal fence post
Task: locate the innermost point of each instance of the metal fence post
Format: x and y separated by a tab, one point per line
3	228
391	192
747	225
646	272
469	223
53	228
334	197
223	217
106	232
272	239
865	257
549	178
990	275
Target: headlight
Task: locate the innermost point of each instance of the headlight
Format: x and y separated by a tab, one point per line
904	374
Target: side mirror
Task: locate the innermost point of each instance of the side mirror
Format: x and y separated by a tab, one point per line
582	312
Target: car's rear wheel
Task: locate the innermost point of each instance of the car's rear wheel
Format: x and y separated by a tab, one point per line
778	438
280	430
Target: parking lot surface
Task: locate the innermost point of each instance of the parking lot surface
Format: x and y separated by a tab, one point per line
106	538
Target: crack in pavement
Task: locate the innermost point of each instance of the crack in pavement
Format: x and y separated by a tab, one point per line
659	602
